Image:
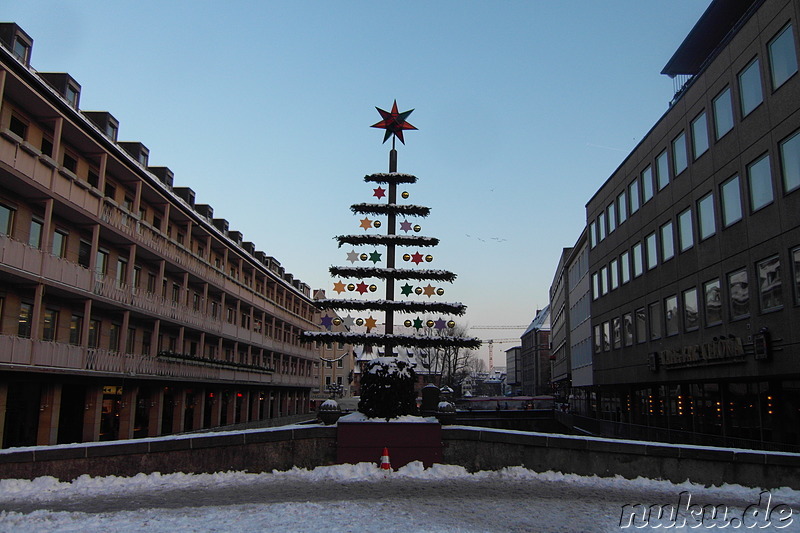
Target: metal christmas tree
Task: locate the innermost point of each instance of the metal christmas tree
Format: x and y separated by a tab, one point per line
432	329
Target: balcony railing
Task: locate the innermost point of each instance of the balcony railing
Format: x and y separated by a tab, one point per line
19	351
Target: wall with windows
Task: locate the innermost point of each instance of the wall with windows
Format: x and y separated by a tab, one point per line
695	237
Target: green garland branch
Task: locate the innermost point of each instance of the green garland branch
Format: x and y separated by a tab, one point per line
385	240
397	209
392	273
393	177
392	305
380	339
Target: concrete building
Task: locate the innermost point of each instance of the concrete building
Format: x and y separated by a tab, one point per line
535	355
695	241
126	308
514	370
559	328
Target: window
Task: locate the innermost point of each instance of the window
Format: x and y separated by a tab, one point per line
691	318
604	280
759	179
625	267
652	252
35	236
723	113
101	267
592	237
616	333
84	251
614	268
647	184
796	274
110	191
739	294
612	218
622	207
606	336
70	163
633	194
662	170
769	284
667	242
147	346
18	127
750	87
176	292
72	95
685	230
598	339
6	219
93	178
21	50
50	325
59	243
782	57
638	260
699	135
25	320
75	328
137	276
130	342
601	226
680	159
113	337
654	310
731	202
713	302
47	147
790	164
641	325
627	329
122	272
705	218
671	317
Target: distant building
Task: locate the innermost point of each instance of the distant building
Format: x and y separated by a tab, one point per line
559	328
514	370
535	355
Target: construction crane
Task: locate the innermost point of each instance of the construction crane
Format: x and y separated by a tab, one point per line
491	342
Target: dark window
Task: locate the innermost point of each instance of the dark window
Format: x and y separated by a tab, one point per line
18	127
739	293
47	147
70	163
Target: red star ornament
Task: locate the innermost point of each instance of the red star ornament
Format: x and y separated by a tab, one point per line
394	122
379	193
416	258
362	288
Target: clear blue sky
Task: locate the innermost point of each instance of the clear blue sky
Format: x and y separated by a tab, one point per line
263	108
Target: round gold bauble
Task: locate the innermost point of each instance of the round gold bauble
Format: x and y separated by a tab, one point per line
418	290
429	258
377	224
417	228
430	323
451	324
363	257
351	287
440	291
373	288
405	194
337	321
407	323
359	321
406	257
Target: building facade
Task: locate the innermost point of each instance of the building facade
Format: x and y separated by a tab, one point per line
126	309
513	371
559	327
535	355
695	241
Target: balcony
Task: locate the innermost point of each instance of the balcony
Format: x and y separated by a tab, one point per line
22	352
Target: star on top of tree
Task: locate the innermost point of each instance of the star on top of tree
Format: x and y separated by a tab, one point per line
394	122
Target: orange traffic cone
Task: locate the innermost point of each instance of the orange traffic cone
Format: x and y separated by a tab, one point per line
385	464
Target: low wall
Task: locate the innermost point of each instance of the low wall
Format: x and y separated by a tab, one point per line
261	450
264	450
486	449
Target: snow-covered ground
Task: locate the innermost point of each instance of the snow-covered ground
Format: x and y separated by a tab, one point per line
362	498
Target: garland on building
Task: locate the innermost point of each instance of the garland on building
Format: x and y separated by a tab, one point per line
388	386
